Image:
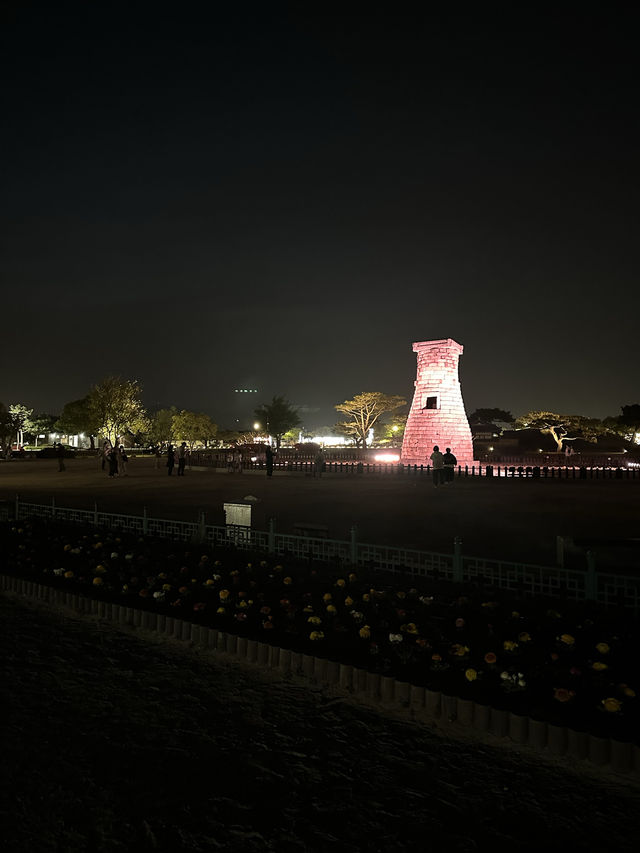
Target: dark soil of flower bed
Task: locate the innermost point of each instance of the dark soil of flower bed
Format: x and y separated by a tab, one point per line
116	742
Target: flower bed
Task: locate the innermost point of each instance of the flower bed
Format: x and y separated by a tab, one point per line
570	664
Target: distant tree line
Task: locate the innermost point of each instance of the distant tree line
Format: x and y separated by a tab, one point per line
113	409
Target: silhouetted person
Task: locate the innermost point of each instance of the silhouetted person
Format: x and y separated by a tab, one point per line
60	455
182	458
269	459
318	463
171	460
450	463
437	460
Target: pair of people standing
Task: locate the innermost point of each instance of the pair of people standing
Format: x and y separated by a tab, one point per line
180	455
444	466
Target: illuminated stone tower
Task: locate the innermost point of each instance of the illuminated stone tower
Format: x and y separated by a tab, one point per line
437	413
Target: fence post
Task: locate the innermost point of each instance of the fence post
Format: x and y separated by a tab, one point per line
17	506
53	507
271	539
202	529
591	578
95	513
354	545
457	559
145	526
560	551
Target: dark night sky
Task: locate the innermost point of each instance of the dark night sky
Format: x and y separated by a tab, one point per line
277	197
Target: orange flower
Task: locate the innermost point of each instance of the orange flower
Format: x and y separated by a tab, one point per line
365	632
612	705
562	694
490	658
98	581
567	639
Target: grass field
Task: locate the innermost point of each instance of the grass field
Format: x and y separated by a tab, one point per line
508	519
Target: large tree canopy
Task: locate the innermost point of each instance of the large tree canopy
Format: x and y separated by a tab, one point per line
192	427
116	407
364	411
277	417
77	417
491	416
559	426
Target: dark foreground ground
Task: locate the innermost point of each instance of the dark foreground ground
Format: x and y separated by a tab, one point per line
504	519
117	742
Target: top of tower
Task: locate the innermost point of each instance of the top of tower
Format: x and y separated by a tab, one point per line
443	343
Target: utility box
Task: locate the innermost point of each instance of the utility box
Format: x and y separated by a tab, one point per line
237	514
238	521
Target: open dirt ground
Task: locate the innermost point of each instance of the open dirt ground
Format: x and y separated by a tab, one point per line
508	519
117	741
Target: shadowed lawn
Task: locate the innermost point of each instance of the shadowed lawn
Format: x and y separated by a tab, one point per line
509	519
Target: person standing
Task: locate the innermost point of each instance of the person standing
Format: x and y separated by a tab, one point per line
60	455
318	463
171	460
268	452
106	453
182	458
437	460
122	461
113	461
450	463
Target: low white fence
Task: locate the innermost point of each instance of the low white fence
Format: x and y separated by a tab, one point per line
520	578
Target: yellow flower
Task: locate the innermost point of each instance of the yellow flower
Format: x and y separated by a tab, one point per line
341	582
599	666
209	582
348	601
509	646
567	639
603	648
470	674
332	609
524	637
100	570
314	620
166	587
316	635
459	650
611	704
224	594
353	577
326	597
98	581
409	628
68	574
627	691
67	547
288	580
366	597
221	610
307	609
365	632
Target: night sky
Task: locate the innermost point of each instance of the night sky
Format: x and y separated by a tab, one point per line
282	197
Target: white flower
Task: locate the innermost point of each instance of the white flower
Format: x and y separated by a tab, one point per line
58	571
426	599
114	555
128	556
505	676
359	617
159	595
522	682
395	638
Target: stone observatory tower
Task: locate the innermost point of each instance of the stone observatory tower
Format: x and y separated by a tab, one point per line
437	413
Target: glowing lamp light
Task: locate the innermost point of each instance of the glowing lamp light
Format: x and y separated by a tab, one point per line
256	425
387	457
